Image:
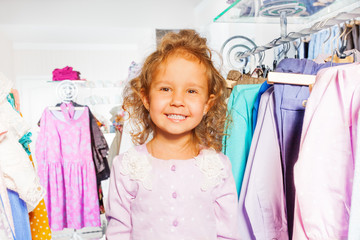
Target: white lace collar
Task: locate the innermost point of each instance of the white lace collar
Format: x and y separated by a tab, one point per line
137	166
211	166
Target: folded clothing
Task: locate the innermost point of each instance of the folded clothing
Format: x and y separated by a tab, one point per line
66	73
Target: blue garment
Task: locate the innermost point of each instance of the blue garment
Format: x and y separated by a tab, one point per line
7	219
317	45
20	216
304	66
236	143
289	112
262	89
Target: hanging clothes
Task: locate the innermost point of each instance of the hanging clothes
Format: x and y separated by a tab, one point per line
20	216
262	201
117	119
318	44
289	112
37	219
354	221
290	103
99	150
19	174
236	142
353	38
66	169
5	229
324	173
99	147
115	146
6	220
262	89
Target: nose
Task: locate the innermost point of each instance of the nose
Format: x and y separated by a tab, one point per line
177	99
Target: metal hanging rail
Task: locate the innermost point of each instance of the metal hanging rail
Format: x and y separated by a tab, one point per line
320	25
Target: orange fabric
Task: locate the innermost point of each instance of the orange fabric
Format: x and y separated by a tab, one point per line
16	98
39	223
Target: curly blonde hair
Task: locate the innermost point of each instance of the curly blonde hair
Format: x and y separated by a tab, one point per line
187	44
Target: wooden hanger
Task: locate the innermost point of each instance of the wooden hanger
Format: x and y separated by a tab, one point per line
291	78
232	78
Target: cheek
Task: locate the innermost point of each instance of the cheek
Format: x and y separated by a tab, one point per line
157	102
197	106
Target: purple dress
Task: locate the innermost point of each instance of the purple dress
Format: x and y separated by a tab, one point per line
66	169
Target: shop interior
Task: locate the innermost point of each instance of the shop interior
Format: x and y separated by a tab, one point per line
105	43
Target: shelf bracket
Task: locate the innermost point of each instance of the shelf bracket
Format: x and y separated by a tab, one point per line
283	24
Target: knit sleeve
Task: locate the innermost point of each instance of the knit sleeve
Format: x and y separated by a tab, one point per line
226	205
122	191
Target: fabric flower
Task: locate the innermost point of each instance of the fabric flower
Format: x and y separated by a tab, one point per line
137	167
212	167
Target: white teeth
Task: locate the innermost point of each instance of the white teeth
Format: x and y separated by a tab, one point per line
175	116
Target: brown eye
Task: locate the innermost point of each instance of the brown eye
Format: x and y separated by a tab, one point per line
192	91
165	89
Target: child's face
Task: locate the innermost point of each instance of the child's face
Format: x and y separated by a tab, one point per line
178	97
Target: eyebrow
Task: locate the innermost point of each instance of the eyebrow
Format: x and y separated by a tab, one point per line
165	82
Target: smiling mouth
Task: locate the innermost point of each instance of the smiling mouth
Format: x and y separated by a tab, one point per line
176	116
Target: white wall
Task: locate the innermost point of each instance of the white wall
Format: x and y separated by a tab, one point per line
6	57
100	39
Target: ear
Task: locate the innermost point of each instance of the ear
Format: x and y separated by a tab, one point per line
145	99
210	102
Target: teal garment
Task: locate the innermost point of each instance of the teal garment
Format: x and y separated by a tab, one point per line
25	140
11	100
237	141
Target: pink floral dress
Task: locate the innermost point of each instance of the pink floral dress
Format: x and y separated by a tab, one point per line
66	169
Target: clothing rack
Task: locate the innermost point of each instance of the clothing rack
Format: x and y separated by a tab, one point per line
320	25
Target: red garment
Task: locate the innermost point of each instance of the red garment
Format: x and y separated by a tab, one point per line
66	73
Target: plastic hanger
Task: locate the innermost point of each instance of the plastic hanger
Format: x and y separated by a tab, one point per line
327	39
296	47
334	38
51	108
341	53
287	48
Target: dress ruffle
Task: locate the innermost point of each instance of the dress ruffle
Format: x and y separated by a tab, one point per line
75	194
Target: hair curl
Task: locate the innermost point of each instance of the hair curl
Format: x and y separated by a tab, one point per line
187	44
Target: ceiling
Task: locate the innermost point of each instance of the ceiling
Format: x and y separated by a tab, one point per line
78	21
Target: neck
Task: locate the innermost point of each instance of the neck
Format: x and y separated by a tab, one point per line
183	148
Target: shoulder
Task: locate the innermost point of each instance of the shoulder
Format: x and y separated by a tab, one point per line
215	167
135	151
211	155
134	164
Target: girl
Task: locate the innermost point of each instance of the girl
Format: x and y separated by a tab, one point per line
177	185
